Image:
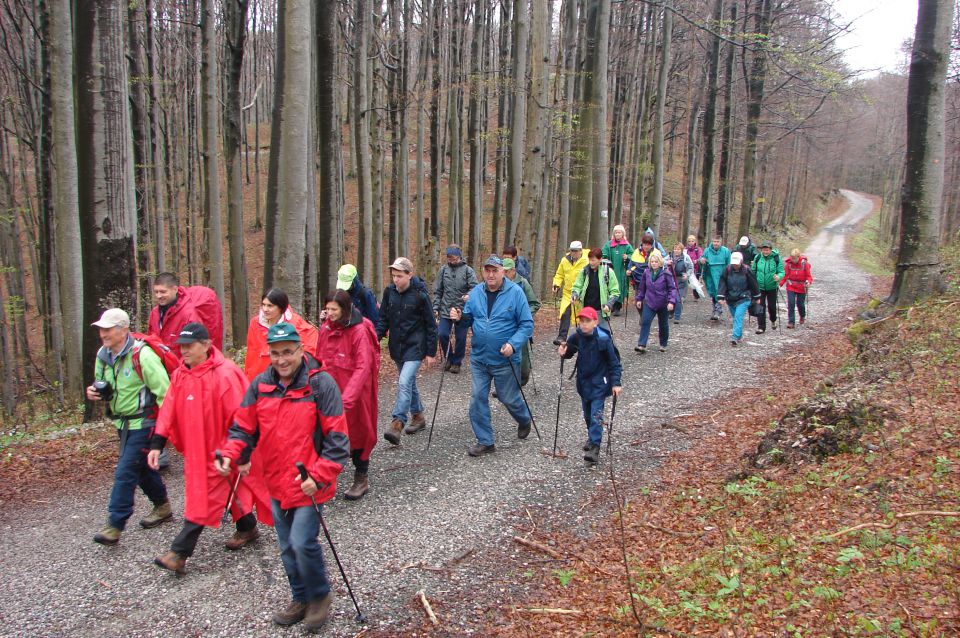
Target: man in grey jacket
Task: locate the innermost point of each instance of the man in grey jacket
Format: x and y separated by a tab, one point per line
454	282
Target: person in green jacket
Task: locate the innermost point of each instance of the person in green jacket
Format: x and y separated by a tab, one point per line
617	251
769	270
714	261
131	378
510	270
596	287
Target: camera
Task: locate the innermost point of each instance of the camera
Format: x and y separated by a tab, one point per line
104	389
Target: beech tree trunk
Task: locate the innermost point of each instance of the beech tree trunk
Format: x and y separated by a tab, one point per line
918	265
656	193
710	127
210	131
330	223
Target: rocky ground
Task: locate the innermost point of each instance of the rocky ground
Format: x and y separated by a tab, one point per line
436	521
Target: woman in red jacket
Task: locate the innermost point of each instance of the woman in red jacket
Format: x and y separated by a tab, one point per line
798	278
274	308
348	350
197	410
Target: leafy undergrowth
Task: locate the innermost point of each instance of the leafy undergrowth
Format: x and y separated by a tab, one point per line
838	518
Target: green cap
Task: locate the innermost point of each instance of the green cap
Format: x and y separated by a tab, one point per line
282	332
509	263
345	276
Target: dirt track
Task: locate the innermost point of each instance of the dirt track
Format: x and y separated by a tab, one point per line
424	509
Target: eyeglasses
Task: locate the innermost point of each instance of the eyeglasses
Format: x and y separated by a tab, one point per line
285	353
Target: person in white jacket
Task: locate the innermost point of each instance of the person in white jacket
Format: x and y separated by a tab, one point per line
682	272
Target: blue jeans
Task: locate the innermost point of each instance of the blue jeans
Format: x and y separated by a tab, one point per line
408	397
132	470
678	307
302	557
798	299
663	325
460	332
738	311
593	416
508	392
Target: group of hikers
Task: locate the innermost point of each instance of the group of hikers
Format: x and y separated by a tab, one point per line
266	443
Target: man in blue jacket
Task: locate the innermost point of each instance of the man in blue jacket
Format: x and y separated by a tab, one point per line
500	317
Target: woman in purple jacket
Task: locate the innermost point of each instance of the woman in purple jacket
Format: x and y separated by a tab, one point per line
656	297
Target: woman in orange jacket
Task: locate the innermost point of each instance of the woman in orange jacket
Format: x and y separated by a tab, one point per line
274	308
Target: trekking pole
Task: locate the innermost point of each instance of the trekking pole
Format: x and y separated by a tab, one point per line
779	317
233	489
556	431
613	413
513	368
326	532
436	405
533	379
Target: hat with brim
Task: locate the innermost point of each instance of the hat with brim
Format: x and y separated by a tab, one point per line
403	264
112	318
509	263
494	261
192	333
588	313
744	241
766	244
282	331
736	258
345	276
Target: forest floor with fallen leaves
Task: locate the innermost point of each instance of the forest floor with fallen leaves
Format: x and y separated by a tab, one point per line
831	510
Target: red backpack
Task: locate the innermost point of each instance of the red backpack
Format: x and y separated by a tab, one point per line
207	305
167	357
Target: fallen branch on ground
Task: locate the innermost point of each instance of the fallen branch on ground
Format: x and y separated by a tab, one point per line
427	608
897	519
548	610
537	546
674	532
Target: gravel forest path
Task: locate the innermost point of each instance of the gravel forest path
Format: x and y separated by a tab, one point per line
438	521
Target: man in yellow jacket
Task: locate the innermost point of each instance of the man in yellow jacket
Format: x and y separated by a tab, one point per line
570	266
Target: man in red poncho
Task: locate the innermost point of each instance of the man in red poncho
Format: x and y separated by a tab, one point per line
204	393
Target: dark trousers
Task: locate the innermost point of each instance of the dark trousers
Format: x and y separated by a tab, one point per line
663	325
768	301
460	332
186	540
565	322
360	465
132	471
798	299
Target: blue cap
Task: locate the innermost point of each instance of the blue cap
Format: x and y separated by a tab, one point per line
282	332
493	260
454	250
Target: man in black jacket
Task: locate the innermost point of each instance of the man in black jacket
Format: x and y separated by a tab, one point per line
406	314
737	289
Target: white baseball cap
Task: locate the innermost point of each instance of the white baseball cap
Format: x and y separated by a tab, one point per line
744	241
113	318
736	258
576	245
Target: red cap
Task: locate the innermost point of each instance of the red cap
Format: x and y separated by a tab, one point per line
588	313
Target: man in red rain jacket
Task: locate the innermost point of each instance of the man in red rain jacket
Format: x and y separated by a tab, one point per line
204	393
292	412
177	306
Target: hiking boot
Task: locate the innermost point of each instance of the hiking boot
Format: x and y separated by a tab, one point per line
239	540
773	326
158	515
523	430
172	561
393	434
714	317
760	331
676	321
640	349
447	365
663	348
802	320
359	487
317	613
109	535
417	423
455	368
593	454
558	341
480	449
586	445
790	326
293	614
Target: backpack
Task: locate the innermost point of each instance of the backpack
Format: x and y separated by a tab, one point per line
167	357
207	305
